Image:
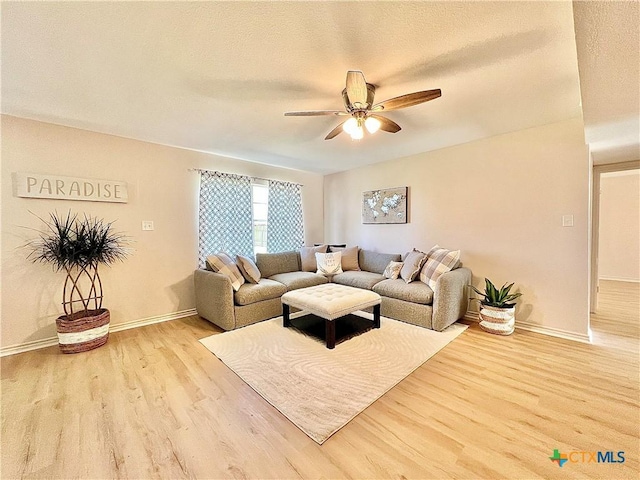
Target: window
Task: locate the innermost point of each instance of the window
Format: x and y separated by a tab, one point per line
286	229
225	215
260	204
240	215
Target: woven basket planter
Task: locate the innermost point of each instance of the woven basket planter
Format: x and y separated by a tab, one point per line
500	321
83	331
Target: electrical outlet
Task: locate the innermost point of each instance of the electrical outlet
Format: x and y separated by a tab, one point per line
567	220
147	225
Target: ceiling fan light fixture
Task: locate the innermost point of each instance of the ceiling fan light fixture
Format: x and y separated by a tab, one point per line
372	124
350	125
358	97
357	133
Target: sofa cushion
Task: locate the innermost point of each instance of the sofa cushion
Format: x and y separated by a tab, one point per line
223	264
375	262
308	257
265	289
360	279
439	261
414	292
413	263
273	263
295	280
248	269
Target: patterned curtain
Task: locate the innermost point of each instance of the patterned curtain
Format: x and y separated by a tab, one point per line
285	230
225	217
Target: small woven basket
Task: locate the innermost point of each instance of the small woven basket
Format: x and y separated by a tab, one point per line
83	331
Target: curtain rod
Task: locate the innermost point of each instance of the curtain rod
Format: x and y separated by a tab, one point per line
199	170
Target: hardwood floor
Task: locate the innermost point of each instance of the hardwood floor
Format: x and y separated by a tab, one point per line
616	323
154	403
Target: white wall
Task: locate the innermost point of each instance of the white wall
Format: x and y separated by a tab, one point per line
619	245
157	279
501	201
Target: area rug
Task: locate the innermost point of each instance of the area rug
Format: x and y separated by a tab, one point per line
318	389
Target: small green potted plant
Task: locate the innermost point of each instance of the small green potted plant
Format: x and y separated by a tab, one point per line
78	245
497	310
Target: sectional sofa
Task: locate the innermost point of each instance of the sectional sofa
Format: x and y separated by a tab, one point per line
414	302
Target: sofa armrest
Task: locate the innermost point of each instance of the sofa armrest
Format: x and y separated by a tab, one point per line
214	298
450	298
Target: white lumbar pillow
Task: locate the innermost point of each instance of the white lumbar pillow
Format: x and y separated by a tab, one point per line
329	263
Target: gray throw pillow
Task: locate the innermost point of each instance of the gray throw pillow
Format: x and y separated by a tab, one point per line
248	269
412	265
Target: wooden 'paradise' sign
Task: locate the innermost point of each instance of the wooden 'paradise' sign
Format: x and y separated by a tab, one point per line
33	185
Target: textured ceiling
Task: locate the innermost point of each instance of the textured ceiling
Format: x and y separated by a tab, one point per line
608	45
218	76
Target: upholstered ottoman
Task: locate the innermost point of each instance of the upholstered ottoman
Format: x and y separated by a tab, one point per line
330	301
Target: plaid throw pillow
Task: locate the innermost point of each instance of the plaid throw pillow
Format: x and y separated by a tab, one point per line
222	263
439	261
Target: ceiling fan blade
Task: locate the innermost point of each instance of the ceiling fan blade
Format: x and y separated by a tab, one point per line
334	132
407	100
387	125
356	88
312	113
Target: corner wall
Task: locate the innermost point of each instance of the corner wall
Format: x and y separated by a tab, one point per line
156	280
500	200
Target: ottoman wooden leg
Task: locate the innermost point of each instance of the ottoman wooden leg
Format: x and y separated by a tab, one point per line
376	316
286	321
330	333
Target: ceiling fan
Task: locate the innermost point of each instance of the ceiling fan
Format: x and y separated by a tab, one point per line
358	101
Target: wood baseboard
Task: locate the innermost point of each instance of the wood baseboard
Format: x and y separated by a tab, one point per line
151	320
531	327
51	341
471	316
618	279
554	332
28	346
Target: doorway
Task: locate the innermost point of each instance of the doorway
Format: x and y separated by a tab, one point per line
615	259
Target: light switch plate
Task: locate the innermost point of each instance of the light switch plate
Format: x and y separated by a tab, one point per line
567	220
147	225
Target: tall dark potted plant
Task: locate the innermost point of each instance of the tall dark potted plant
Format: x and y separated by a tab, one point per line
78	245
497	310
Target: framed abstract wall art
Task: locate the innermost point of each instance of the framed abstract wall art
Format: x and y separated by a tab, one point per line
388	205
